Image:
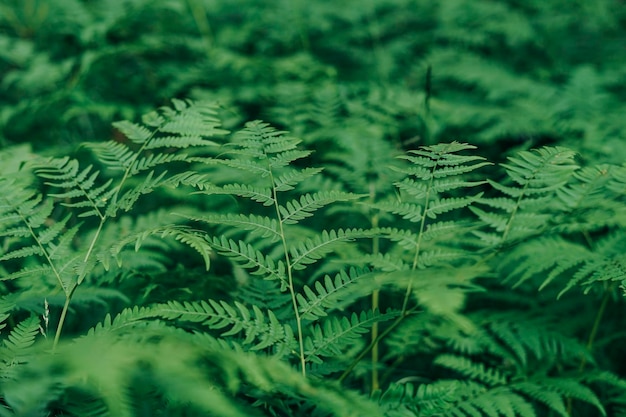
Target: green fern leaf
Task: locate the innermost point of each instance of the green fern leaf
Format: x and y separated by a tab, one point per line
409	211
294	211
248	257
126	320
136	133
445	205
537	175
38	271
183	234
128	199
334	294
23	252
545	169
114	155
471	369
312	250
18	341
289	180
261	330
335	334
422	399
258	194
262	226
258	169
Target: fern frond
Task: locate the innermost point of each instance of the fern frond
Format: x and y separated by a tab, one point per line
136	133
283	159
248	165
422	399
185	235
115	156
78	186
312	250
261	195
188	119
126	201
591	200
23	252
444	205
334	294
440	161
409	211
551	257
30	232
545	169
289	180
495	403
537	175
151	161
128	318
261	330
553	391
528	341
38	271
295	210
262	226
260	141
17	342
474	370
248	257
335	334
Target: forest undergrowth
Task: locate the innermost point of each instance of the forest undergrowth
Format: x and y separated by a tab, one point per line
297	208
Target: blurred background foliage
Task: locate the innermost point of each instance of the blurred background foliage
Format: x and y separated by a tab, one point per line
505	74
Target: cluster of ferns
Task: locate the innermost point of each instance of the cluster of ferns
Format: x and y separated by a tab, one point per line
190	270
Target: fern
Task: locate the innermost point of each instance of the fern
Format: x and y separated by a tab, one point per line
276	300
334	294
524	211
269	155
333	335
262	330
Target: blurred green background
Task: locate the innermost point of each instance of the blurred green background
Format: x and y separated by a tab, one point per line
504	75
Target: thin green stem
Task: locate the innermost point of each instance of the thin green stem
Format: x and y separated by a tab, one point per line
375	296
509	224
404	312
66	306
290	281
596	325
103	219
418	244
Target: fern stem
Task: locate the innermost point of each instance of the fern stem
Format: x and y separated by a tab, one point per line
103	219
290	282
375	296
95	238
66	306
596	325
418	244
507	229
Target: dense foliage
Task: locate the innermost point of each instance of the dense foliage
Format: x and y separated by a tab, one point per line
296	208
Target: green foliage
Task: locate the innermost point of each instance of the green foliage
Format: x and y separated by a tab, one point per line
281	309
337	255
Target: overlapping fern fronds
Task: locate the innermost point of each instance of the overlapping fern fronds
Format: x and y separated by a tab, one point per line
274	240
528	205
45	230
300	255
